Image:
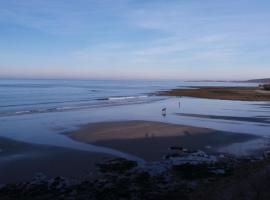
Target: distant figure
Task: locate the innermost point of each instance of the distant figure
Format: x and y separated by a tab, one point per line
179	103
164	112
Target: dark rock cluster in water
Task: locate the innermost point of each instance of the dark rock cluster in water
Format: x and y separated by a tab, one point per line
175	177
266	86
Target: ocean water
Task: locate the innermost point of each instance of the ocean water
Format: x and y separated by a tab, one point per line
38	111
40	96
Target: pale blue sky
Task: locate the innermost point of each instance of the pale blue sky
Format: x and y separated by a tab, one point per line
135	39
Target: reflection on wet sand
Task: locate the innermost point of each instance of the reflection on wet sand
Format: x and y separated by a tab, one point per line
152	140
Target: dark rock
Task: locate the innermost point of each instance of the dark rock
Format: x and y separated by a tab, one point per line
117	165
176	148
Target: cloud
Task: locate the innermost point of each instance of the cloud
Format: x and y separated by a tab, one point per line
61	17
171	52
150	37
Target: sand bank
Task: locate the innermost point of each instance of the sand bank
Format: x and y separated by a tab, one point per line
222	93
151	140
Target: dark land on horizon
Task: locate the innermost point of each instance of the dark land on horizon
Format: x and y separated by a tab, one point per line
221	93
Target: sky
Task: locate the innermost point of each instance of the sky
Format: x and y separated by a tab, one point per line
135	39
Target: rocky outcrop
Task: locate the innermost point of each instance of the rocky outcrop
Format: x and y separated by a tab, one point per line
266	86
180	175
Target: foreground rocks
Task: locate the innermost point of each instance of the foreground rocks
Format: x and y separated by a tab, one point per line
183	174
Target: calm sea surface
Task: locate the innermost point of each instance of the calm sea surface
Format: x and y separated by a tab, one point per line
35	96
37	111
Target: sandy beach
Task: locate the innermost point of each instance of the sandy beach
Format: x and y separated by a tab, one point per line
152	140
20	161
222	93
190	175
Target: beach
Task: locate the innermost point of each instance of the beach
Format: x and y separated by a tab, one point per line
147	140
20	161
134	100
188	173
75	135
117	141
152	140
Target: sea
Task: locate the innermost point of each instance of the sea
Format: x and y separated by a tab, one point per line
40	111
41	96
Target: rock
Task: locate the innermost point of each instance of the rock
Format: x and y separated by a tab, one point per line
266	154
221	156
176	148
219	171
39	178
117	165
189	171
172	155
181	173
197	157
58	183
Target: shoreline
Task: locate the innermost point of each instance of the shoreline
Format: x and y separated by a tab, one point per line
221	93
183	168
151	140
144	139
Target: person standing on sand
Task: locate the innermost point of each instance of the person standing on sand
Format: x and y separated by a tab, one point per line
164	112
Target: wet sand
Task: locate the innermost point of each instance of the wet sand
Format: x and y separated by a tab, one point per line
222	93
20	161
264	120
151	140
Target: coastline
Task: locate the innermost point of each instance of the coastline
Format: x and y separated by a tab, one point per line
221	93
158	143
185	174
152	140
182	162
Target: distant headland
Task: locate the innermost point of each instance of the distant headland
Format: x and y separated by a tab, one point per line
263	80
